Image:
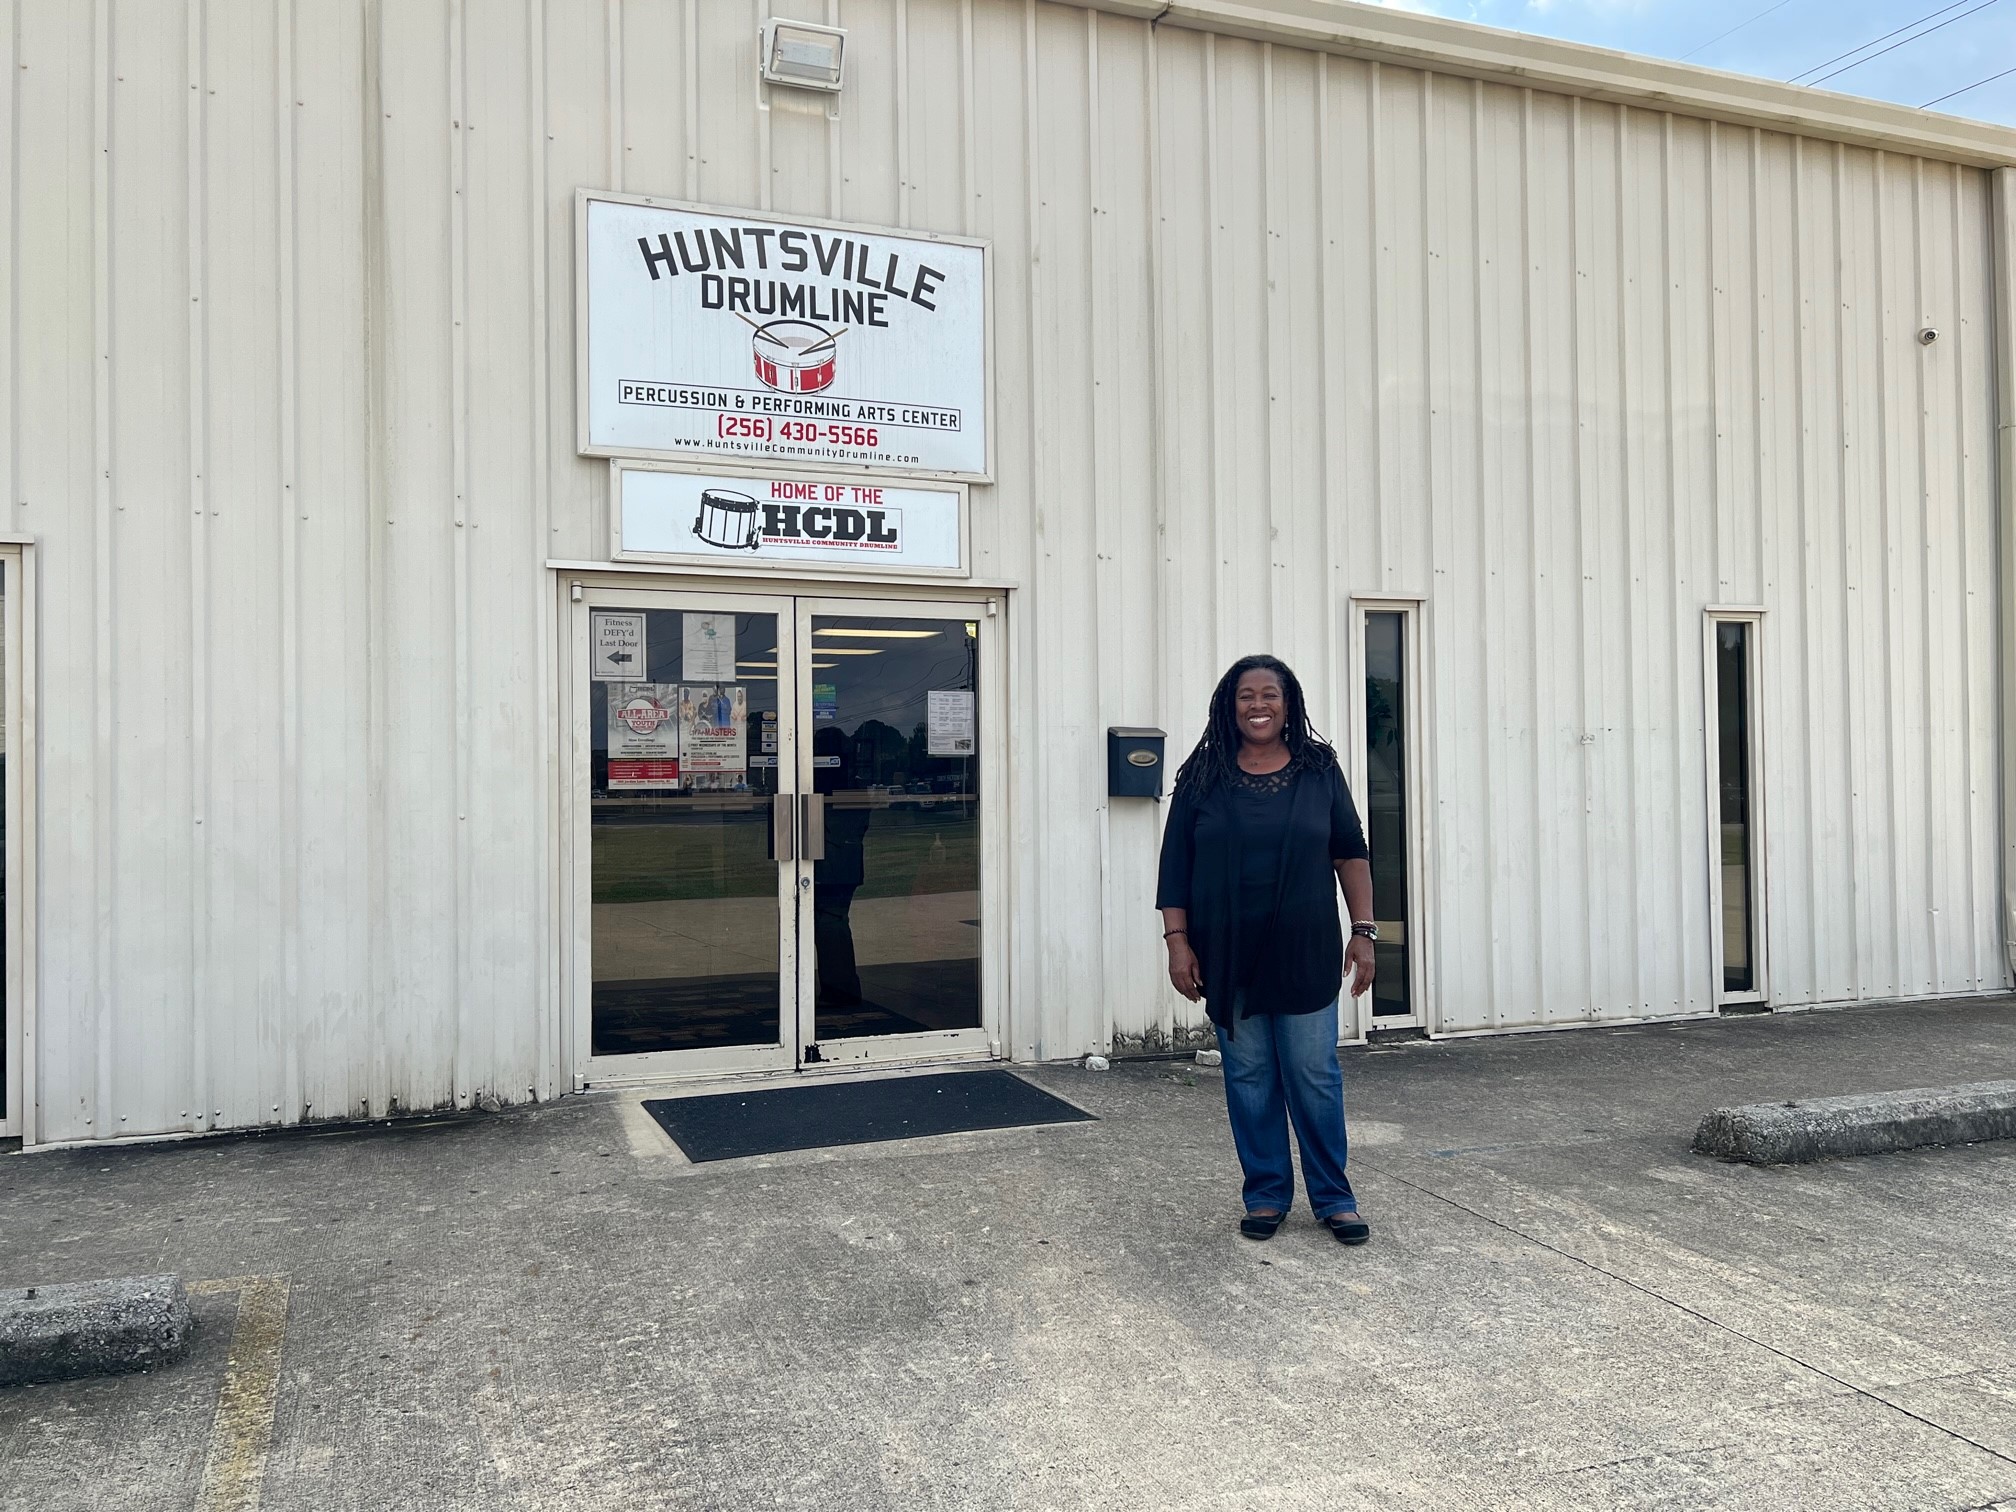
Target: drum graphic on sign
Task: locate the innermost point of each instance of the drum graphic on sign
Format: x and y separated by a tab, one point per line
728	520
795	356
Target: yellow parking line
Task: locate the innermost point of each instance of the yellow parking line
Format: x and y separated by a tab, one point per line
234	1471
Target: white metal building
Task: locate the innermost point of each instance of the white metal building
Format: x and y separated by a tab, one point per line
391	722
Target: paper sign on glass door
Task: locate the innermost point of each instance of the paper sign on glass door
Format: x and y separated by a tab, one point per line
949	719
643	736
707	648
618	654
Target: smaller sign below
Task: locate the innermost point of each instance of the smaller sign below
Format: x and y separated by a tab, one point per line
739	521
949	722
707	649
618	646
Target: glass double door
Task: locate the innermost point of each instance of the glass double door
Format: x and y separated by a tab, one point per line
785	810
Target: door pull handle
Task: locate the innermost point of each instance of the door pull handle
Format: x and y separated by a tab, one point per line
812	830
780	828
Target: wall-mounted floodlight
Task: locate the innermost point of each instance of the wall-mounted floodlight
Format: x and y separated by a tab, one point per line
804	55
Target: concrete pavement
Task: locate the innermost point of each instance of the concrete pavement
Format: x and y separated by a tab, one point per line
1560	1307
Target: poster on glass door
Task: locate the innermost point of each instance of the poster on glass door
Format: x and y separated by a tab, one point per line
643	736
714	735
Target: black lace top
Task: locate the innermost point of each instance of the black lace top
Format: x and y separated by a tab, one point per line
1268	784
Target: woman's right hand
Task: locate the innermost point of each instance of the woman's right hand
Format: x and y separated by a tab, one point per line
1183	973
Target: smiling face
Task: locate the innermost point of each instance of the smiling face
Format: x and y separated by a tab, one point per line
1260	706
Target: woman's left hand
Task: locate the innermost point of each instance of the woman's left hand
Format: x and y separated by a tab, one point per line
1363	962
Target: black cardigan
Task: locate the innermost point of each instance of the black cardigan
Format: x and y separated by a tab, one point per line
1200	873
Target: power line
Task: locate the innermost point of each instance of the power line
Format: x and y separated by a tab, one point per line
1871	43
1912	38
1740	25
1971	87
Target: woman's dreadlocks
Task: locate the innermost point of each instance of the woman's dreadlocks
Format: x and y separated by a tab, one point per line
1216	756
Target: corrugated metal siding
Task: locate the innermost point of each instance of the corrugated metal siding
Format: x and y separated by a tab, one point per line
291	402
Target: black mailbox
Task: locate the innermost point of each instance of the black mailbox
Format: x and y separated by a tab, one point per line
1133	762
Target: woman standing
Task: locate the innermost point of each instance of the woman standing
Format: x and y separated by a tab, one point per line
1261	830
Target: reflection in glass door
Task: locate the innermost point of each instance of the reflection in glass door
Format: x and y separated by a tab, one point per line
893	833
690	825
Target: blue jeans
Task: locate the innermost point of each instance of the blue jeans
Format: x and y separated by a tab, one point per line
1278	1066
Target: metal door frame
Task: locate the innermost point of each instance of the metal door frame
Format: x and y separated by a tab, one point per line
1356	1019
589	586
936	1044
602	1070
17	1019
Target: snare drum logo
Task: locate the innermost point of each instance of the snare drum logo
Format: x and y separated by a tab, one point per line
795	356
727	520
730	521
643	714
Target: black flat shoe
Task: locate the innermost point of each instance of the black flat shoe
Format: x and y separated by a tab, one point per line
1261	1225
1348	1228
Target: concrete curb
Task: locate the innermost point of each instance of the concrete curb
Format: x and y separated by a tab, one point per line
1824	1128
87	1328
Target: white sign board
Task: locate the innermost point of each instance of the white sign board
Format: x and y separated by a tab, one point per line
618	641
729	521
745	336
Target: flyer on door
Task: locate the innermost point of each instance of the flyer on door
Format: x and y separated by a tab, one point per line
707	648
643	736
949	722
714	731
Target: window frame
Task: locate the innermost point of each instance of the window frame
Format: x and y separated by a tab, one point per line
1355	1018
1752	617
17	708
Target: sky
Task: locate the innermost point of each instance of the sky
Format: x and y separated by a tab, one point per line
1791	39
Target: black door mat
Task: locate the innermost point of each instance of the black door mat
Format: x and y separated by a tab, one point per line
729	1125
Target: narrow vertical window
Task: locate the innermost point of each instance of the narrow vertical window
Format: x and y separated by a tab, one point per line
1738	842
1385	804
9	1070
